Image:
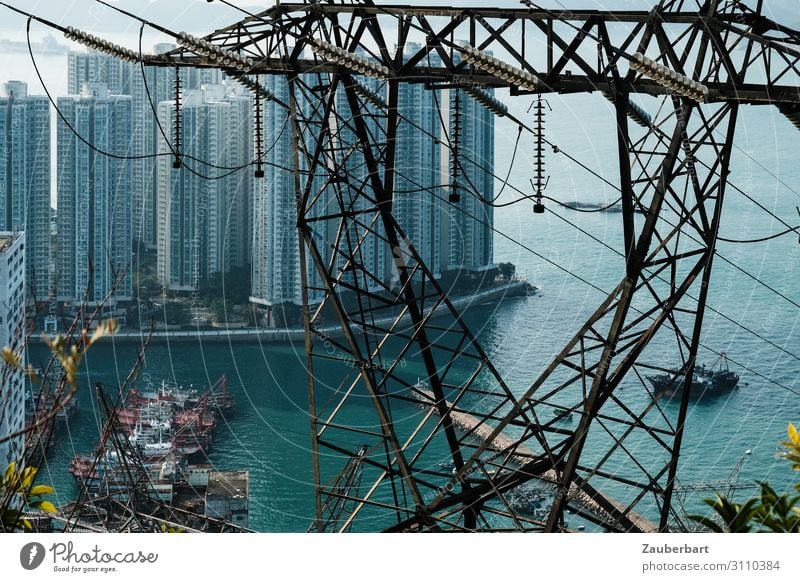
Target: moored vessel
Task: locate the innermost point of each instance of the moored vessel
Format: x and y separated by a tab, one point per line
716	379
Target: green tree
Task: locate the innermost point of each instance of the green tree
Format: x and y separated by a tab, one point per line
219	311
287	315
233	286
176	313
507	270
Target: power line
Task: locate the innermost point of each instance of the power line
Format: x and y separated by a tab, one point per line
520	127
229	169
173	151
63	117
762	239
709	307
505	182
617	188
559	150
603	291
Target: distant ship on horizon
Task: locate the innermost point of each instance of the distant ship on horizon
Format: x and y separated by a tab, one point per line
48	46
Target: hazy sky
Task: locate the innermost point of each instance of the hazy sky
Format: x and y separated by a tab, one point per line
200	16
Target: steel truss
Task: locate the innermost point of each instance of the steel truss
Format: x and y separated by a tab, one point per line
451	444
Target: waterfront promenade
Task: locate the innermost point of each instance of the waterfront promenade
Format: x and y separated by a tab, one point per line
515	288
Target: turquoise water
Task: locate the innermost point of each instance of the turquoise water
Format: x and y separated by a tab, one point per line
269	434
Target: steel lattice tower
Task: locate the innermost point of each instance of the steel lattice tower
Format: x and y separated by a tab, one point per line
451	402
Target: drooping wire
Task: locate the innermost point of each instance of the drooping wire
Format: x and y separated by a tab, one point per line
430	189
100	151
582	210
63	117
111	155
574	275
54	104
556	149
585	281
472	190
179	158
762	239
510	166
230	170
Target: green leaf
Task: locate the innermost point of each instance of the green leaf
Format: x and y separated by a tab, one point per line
37	490
9	474
45	506
28	475
794	436
12	519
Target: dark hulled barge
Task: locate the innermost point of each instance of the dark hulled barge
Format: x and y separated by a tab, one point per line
717	379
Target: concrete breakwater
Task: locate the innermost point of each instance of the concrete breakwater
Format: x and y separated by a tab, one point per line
286	335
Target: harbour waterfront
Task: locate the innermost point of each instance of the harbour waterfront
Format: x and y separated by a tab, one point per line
269	431
260	335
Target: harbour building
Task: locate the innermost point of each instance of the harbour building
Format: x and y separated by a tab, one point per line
94	197
202	210
25	179
419	168
276	276
12	335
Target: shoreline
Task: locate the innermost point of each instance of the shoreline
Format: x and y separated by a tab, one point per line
289	335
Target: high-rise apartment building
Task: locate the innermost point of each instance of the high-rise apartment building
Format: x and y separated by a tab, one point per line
276	276
125	79
202	209
418	166
92	67
160	83
12	335
25	179
94	196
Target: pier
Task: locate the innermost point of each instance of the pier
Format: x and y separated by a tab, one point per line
503	443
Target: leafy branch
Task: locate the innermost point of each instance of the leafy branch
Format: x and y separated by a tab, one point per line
767	512
18	486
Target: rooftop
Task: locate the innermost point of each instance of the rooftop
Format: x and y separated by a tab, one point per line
7	240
